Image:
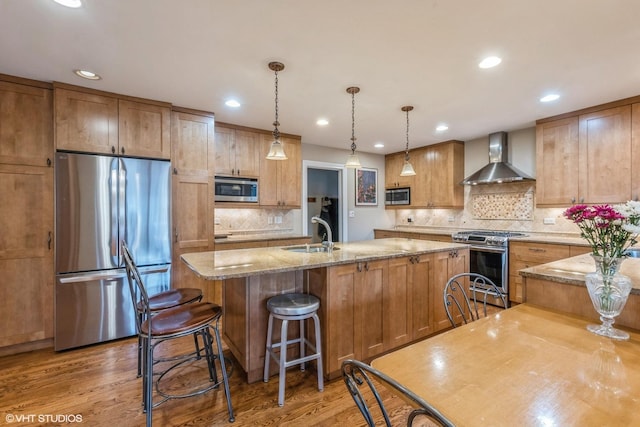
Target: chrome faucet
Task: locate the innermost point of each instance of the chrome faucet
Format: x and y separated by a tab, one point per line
329	242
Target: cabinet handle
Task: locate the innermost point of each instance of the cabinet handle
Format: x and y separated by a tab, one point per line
238	172
113	150
49	164
122	150
175	171
175	230
537	250
581	199
359	267
417	259
366	266
573	200
49	239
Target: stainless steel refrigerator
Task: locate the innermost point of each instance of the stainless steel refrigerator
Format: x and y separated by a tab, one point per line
101	200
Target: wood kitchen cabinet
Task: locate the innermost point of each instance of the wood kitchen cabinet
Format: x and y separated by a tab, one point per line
439	170
26	215
635	152
192	134
446	265
237	151
587	158
529	254
97	122
280	180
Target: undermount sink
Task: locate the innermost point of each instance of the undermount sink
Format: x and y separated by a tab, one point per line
633	253
309	248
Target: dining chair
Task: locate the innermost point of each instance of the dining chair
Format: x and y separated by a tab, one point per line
362	382
466	293
198	319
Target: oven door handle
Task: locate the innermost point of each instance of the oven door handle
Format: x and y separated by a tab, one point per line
490	249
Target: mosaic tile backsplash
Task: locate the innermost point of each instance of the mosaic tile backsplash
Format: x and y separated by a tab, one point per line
503	206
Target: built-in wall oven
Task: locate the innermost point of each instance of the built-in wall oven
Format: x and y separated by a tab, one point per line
489	256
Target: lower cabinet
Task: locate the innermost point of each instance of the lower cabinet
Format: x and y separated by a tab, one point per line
369	308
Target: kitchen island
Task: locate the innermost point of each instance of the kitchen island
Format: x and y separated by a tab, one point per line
375	295
560	285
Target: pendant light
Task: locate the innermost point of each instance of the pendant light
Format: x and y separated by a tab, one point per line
276	152
407	168
352	160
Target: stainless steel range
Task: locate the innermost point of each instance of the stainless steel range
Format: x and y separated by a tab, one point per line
489	255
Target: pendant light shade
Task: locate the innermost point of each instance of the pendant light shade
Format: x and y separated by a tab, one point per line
407	168
276	151
352	160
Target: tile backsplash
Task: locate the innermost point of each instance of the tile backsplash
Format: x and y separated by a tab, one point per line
509	206
256	221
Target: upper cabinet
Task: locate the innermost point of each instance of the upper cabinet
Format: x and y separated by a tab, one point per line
587	158
26	128
96	122
144	129
237	151
193	145
439	170
280	180
635	151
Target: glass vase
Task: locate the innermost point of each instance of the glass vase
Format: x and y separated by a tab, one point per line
609	291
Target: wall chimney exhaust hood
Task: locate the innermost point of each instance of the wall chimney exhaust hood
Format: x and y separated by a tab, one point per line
498	170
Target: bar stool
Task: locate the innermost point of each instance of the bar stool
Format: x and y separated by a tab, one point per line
288	307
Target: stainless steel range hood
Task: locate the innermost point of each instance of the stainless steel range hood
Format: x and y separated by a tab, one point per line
498	170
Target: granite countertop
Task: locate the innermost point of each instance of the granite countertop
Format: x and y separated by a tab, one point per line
220	265
533	237
572	271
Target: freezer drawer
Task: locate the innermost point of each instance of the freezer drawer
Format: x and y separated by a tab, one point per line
96	306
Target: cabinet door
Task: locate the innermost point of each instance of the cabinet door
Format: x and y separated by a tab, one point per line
225	151
446	170
557	164
421	185
446	265
247	153
290	174
144	130
392	167
371	281
26	253
269	184
420	295
85	122
192	141
398	304
605	152
193	226
26	125
343	342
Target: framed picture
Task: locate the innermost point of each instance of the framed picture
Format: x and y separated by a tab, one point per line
366	187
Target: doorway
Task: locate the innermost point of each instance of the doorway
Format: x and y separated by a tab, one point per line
324	194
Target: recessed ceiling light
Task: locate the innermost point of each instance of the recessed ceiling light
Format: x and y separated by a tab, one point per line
232	103
87	74
442	128
69	3
550	97
490	61
379	145
322	122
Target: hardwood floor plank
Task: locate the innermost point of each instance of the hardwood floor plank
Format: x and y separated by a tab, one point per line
99	384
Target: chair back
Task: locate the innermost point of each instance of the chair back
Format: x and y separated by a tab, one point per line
136	288
361	380
466	293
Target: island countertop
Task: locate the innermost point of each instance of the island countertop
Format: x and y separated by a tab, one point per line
572	270
237	263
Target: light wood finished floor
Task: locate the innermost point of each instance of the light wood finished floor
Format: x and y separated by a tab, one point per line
99	383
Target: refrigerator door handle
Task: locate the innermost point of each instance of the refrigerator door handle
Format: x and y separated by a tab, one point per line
101	275
122	183
114	211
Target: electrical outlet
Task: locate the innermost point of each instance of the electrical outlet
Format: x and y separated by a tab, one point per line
216	221
270	220
549	221
410	218
352	214
278	219
451	219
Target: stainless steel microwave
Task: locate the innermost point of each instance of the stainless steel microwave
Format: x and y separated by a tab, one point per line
239	190
398	196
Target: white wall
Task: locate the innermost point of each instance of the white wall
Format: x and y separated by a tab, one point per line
365	218
522	152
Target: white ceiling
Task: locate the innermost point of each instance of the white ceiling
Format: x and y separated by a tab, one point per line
198	53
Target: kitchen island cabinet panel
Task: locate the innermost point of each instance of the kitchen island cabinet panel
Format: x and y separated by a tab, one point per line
446	265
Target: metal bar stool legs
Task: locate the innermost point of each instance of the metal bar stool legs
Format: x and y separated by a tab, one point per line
288	307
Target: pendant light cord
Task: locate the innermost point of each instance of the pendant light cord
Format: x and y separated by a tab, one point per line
353	122
276	132
406	150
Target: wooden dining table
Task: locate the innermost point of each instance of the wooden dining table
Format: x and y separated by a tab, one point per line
525	366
